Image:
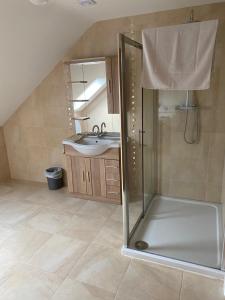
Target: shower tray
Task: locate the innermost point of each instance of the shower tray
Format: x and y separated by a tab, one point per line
185	230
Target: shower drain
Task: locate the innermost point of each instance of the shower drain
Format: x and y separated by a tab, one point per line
141	245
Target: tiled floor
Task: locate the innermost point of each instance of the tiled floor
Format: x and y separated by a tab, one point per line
53	246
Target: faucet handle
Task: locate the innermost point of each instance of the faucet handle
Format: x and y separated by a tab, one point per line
96	127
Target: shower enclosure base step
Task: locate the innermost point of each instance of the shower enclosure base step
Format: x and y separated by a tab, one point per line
173	263
182	232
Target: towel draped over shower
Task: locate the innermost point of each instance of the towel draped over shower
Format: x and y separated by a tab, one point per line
179	57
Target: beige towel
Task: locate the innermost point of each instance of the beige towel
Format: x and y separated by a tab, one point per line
179	57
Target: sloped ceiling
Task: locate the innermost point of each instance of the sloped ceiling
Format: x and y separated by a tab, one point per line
34	38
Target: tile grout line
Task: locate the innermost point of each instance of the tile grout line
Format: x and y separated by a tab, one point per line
58	287
68	275
121	282
47	273
181	286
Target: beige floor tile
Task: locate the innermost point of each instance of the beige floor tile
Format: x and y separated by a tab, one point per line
102	267
111	234
117	214
22	245
58	255
58	200
50	221
14	212
5	233
27	283
92	208
69	204
196	287
84	228
44	197
75	290
14	190
5	189
7	267
150	282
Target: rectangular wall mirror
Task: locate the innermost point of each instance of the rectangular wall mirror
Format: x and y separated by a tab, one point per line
93	93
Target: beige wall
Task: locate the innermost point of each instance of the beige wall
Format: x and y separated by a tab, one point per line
34	133
4	165
193	171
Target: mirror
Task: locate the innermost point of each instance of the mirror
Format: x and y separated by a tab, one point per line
91	84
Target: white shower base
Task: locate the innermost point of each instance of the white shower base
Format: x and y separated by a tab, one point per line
184	230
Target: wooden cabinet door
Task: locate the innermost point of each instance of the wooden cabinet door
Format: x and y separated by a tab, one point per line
112	84
69	174
115	77
79	174
88	176
109	78
98	177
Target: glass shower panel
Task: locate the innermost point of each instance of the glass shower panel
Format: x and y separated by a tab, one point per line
150	116
132	130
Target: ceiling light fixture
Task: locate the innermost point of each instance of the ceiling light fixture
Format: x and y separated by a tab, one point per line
87	2
39	2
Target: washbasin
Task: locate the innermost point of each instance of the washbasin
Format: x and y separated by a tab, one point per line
94	145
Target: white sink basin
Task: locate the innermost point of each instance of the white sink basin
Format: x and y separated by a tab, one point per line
92	146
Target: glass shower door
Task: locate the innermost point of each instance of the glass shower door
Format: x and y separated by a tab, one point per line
132	132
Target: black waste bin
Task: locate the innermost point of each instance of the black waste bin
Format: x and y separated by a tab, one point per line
54	176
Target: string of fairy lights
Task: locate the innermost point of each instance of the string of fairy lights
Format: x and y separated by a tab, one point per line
133	108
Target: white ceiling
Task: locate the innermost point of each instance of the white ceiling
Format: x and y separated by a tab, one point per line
35	38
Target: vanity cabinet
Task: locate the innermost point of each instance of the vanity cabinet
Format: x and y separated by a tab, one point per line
112	84
94	178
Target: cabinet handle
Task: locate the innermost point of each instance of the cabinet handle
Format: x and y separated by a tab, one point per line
88	174
114	193
112	167
112	179
83	176
109	84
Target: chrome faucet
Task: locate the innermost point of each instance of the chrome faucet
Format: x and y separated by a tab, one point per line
103	125
96	127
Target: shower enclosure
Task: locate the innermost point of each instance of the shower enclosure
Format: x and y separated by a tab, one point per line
159	225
